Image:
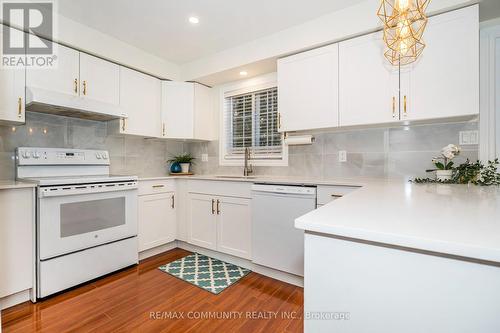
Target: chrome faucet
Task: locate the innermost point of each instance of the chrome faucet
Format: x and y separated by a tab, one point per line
248	167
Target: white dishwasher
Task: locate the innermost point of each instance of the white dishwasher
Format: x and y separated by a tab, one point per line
276	243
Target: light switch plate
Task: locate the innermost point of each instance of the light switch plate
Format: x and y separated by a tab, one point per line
468	138
204	157
342	156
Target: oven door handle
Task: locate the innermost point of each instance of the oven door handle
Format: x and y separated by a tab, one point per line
59	191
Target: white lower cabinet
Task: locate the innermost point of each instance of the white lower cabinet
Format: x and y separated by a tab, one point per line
220	223
234	226
16	240
202	221
157	220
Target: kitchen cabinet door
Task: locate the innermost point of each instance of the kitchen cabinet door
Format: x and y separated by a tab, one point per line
178	109
63	79
202	221
234	229
140	99
16	240
12	88
204	124
157	220
99	80
369	84
444	82
308	89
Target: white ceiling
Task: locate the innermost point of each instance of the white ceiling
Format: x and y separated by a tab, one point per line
161	27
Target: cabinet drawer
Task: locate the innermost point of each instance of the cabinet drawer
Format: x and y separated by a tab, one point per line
326	194
156	186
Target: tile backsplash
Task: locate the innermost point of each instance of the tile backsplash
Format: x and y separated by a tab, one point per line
398	152
378	152
128	154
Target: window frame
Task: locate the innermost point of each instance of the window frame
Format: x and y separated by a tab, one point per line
239	88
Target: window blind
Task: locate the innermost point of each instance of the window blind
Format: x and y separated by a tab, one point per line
251	121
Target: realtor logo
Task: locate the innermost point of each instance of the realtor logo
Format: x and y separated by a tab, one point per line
33	47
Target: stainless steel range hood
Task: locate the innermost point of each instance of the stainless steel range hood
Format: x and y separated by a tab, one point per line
44	101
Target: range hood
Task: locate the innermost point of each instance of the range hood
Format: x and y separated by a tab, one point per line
45	101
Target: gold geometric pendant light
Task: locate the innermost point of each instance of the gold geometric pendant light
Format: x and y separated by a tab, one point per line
404	24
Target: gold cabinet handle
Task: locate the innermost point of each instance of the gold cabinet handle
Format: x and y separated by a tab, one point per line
218	207
393	107
158	186
173	201
19	107
337	195
404	105
84	87
76	86
213	209
123	124
163	129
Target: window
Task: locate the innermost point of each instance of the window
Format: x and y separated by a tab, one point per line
251	121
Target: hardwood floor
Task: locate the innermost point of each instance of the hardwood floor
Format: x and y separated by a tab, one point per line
144	299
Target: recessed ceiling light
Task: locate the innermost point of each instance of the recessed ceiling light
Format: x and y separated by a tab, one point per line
194	20
243	73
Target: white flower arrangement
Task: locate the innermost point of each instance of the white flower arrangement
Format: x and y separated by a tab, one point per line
448	153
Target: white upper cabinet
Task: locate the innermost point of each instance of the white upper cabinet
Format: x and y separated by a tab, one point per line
444	82
308	89
12	83
99	80
63	79
140	99
187	111
178	109
369	85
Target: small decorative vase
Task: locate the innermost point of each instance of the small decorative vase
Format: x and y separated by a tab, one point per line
175	168
444	175
185	167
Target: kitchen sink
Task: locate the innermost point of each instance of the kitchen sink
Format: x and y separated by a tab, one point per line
238	177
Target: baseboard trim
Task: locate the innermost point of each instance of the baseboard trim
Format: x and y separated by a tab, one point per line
270	272
14	299
157	250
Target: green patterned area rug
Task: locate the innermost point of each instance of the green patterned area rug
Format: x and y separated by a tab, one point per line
210	274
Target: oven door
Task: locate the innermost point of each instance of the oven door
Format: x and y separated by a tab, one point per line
77	217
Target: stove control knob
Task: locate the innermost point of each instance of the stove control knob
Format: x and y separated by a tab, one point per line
104	156
98	156
36	155
26	154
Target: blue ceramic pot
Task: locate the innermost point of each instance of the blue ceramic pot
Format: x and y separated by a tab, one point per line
175	168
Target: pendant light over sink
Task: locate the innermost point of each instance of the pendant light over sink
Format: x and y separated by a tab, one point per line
404	24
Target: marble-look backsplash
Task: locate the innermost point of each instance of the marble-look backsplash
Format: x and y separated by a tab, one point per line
128	154
399	152
379	152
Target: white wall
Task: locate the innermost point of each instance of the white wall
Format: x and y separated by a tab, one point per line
497	97
338	25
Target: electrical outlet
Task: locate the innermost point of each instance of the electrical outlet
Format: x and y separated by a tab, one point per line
468	138
342	156
204	157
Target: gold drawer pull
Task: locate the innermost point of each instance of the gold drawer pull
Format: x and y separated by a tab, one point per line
337	196
158	186
19	107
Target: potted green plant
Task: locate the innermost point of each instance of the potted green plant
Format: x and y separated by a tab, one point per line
444	163
184	160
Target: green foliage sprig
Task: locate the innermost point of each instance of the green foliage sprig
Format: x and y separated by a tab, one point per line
182	158
470	173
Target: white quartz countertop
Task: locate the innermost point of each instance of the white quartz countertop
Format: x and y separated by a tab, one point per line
272	179
12	184
457	220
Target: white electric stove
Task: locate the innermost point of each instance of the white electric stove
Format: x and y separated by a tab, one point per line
86	218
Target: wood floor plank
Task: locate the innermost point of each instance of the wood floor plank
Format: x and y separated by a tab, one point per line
129	300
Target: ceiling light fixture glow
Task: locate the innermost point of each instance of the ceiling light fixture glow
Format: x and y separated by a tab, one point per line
243	73
194	20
